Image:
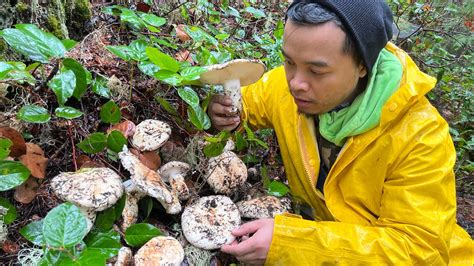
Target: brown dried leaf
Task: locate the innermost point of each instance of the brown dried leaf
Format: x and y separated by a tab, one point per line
127	128
150	159
92	164
19	147
181	34
10	247
184	55
34	160
26	192
82	159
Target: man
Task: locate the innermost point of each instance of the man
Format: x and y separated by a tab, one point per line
363	149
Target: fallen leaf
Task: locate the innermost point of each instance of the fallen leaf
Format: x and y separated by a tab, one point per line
19	147
10	247
82	159
184	55
26	192
127	128
181	34
92	164
34	160
150	159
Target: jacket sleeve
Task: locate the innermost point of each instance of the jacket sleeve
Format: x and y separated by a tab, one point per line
414	223
258	98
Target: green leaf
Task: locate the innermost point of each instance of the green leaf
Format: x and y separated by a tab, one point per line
148	67
10	216
116	140
162	60
34	43
12	174
132	19
199	35
199	118
240	141
80	74
213	149
33	232
33	114
5	145
69	44
94	143
121	51
192	73
64	226
138	234
110	113
89	257
189	96
257	13
67	112
105	219
99	87
167	106
106	243
222	36
168	77
153	19
15	71
63	85
277	189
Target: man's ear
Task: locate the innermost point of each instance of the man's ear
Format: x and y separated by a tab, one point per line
362	70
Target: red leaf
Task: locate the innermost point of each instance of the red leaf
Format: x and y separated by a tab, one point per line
18	148
26	192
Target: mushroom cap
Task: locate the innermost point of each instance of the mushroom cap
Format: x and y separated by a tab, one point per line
245	70
150	134
124	257
262	207
160	250
95	188
226	172
208	222
173	168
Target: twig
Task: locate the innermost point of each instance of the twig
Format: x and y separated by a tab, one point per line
72	144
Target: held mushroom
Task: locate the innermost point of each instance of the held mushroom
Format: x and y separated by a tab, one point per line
150	134
226	172
232	75
262	207
90	189
174	173
148	182
160	250
208	222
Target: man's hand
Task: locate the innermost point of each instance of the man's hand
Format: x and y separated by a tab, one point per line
220	113
253	249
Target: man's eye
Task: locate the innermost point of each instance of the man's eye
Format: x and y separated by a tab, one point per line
289	62
317	73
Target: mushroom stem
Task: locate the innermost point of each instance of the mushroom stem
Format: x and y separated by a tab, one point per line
90	215
179	186
130	210
232	89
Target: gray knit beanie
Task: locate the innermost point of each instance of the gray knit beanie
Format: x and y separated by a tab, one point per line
368	21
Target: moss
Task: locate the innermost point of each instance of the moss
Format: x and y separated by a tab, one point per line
54	26
22	8
78	13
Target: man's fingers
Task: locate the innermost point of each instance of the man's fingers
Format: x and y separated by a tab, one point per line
238	250
247	228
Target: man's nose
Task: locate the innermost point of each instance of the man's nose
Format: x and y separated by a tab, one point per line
298	83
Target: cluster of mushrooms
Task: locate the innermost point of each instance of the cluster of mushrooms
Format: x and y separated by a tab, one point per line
207	221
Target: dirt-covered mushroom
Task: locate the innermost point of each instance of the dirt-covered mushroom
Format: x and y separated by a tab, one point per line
208	222
124	257
160	250
150	134
232	75
91	189
174	173
262	207
226	172
148	182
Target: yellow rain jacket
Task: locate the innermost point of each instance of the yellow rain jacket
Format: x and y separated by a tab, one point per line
389	197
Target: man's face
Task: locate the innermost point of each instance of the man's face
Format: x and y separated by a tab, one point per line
319	74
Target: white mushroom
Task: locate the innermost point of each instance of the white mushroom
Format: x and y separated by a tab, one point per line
91	189
124	257
160	250
150	135
226	172
232	75
208	222
130	209
174	173
262	207
148	182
